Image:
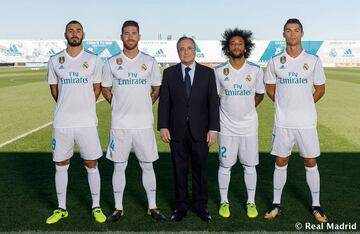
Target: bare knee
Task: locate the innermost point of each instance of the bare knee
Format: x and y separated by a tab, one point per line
310	162
90	163
63	163
281	162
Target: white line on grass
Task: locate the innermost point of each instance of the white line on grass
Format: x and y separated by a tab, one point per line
32	131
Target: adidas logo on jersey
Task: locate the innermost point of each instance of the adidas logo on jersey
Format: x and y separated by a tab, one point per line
61	67
120	68
226	79
282	67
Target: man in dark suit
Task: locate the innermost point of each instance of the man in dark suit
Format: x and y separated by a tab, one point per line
189	121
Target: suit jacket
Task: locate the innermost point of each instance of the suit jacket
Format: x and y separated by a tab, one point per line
201	109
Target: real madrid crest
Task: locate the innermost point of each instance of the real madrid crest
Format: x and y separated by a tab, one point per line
226	71
248	78
144	67
61	59
283	59
306	66
85	65
119	61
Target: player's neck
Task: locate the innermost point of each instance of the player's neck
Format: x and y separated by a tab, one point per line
74	51
294	51
237	63
131	53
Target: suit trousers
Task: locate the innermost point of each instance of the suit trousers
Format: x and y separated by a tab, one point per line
182	153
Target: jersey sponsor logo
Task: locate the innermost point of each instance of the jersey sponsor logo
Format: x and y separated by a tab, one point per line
85	65
119	61
144	67
74	78
226	71
306	66
132	79
238	90
283	59
293	79
61	59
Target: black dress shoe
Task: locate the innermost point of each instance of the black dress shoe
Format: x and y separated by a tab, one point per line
178	215
205	216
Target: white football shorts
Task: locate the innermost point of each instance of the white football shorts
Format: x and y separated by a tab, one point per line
306	140
246	148
87	139
122	141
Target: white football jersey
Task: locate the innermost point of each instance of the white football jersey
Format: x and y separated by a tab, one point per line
131	81
294	79
237	88
75	76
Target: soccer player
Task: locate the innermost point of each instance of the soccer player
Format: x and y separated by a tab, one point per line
241	88
74	75
131	83
295	81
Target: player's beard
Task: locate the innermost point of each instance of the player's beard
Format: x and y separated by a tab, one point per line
74	43
293	42
129	47
236	56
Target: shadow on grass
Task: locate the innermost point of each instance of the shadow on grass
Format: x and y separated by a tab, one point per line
27	194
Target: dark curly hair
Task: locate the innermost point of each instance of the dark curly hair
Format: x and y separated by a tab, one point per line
244	34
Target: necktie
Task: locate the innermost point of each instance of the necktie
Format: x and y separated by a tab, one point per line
187	82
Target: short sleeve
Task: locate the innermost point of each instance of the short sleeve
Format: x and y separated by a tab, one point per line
98	71
51	74
319	75
155	74
107	76
270	76
260	86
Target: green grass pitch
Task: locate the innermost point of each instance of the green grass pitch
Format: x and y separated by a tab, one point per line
27	190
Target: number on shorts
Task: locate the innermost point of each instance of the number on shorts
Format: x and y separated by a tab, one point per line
112	145
53	144
222	151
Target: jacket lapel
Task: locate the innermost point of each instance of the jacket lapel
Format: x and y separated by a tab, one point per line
195	81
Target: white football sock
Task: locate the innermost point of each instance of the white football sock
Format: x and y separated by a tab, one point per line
94	184
119	182
250	177
280	174
313	180
61	181
224	175
149	183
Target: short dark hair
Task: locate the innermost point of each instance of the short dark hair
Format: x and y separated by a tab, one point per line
182	39
130	23
73	22
293	21
246	35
